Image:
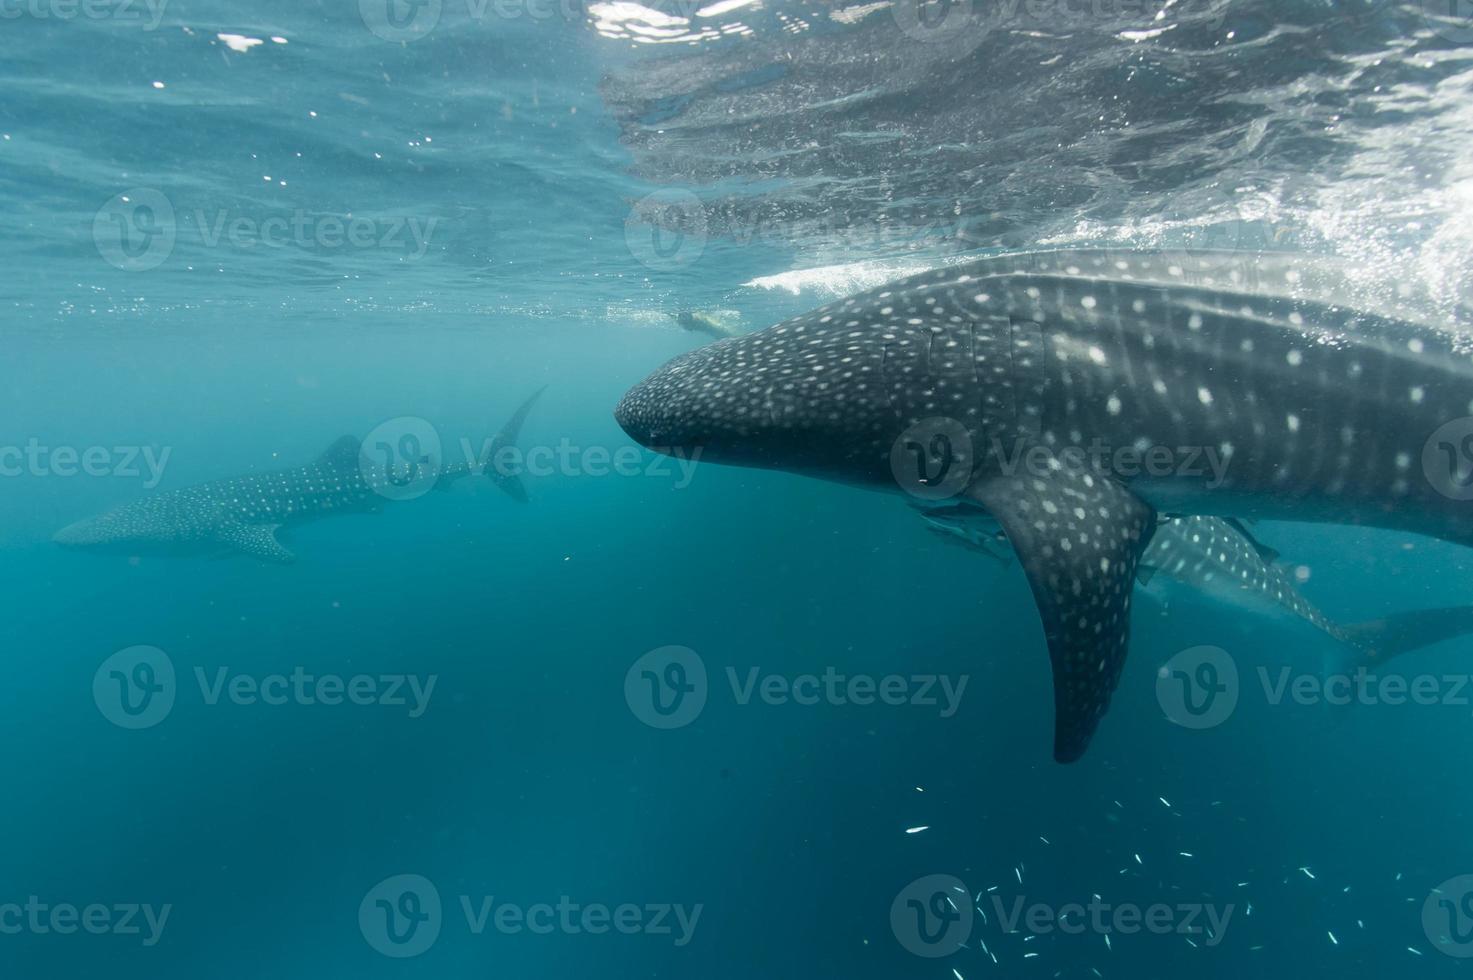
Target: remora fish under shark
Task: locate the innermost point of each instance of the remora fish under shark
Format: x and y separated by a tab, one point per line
243	515
995	381
1221	560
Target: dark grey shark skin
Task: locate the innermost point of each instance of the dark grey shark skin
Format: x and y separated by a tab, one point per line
243	515
1320	410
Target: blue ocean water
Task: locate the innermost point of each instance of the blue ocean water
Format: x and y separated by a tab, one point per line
236	233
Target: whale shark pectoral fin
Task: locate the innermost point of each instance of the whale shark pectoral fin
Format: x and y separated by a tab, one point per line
258	541
1079	538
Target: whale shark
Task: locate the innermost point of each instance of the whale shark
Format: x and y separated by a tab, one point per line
244	515
1074	395
1222	560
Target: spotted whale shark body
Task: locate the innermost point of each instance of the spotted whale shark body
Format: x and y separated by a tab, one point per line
1073	397
244	515
1220	559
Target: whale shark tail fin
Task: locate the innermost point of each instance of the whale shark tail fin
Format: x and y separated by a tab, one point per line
1377	641
511	482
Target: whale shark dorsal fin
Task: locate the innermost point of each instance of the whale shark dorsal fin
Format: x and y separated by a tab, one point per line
342	454
1269	555
258	541
1079	537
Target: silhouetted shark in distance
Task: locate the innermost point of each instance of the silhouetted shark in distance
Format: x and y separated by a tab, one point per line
243	515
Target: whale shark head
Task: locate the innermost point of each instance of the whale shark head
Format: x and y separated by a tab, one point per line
931	386
90	533
801	398
127	530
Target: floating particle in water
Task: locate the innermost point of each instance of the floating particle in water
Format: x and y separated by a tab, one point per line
957	975
1164	802
1413	949
1043	838
1138	860
1186	854
1332	937
917	830
1308	874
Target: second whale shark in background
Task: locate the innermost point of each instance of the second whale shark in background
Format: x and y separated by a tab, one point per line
996	382
1222	560
244	514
